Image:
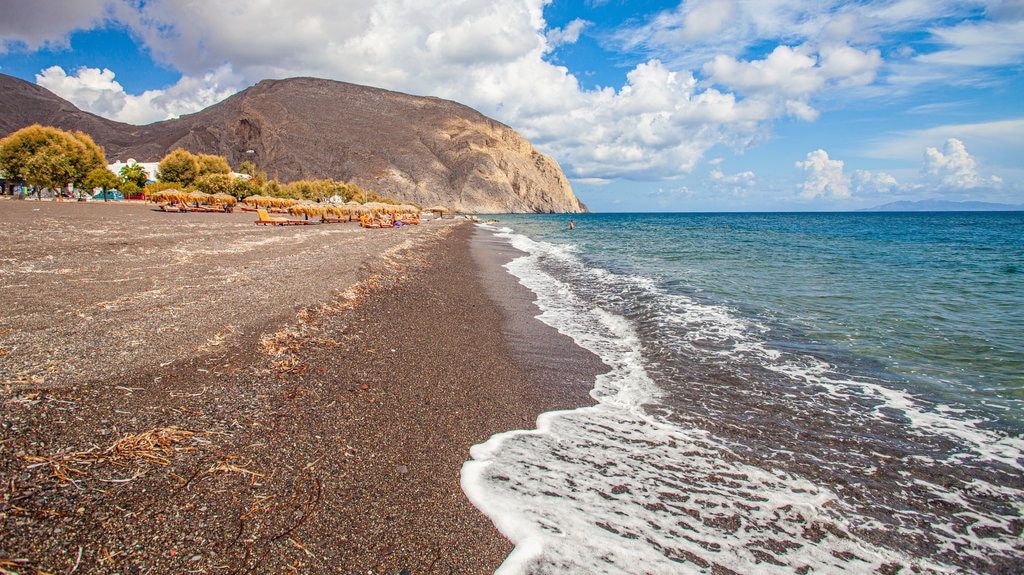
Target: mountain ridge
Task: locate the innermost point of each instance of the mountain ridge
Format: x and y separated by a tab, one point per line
412	148
943	206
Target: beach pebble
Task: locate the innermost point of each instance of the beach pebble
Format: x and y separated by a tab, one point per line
402	469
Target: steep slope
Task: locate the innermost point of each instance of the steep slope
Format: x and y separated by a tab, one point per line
424	150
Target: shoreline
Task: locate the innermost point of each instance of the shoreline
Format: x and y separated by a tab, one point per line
220	397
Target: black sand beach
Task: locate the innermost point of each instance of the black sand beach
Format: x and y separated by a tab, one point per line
194	393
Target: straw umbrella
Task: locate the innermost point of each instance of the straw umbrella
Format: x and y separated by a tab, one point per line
307	208
226	199
257	200
439	209
198	197
167	195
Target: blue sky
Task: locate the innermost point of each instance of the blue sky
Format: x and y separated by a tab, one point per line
696	105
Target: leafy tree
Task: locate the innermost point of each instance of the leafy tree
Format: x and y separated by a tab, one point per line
130	188
242	187
154	187
209	164
48	157
214	183
273	189
179	166
249	168
300	190
134	173
102	178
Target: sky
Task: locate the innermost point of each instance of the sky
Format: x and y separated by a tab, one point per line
647	105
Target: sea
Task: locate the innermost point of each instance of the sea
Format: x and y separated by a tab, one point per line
786	393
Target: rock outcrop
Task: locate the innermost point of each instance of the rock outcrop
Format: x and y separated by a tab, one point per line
423	150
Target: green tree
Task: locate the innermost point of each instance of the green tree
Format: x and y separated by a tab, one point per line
179	166
249	168
48	157
130	188
274	189
242	188
103	179
214	183
209	164
134	173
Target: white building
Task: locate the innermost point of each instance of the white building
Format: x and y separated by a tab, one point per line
150	167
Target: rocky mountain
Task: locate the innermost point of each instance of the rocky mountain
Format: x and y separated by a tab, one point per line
411	148
944	206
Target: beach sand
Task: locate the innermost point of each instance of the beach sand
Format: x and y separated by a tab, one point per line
195	393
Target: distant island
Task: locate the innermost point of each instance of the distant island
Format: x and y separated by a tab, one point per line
944	206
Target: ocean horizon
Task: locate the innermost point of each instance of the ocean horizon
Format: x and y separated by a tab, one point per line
787	393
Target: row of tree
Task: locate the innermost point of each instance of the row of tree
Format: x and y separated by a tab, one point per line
50	158
47	157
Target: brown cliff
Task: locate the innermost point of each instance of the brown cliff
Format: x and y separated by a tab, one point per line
423	150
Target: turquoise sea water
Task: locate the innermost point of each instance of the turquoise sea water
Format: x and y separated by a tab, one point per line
789	393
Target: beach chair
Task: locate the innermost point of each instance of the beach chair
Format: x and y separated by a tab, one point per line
267	220
170	208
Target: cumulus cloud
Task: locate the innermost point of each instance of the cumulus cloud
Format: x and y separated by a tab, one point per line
97	91
953	168
868	183
825	177
788	77
738	184
568	35
705	19
40	23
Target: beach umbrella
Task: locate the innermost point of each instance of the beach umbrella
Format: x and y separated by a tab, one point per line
376	207
357	208
439	209
198	197
308	208
167	195
256	200
338	210
226	199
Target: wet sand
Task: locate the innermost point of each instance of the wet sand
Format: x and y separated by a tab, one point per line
195	393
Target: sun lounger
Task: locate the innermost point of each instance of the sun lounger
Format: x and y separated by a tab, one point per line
170	208
267	220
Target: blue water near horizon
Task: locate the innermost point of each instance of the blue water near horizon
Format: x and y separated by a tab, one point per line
788	393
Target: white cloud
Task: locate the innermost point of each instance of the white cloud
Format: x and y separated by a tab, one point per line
953	168
993	138
978	44
40	23
868	183
97	91
825	177
738	184
568	35
788	77
706	19
745	178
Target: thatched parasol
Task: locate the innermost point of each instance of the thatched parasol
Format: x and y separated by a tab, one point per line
308	208
226	199
198	197
170	195
258	200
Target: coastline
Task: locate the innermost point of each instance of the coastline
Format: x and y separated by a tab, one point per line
191	392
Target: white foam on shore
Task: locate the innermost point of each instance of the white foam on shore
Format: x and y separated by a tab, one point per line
611	489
